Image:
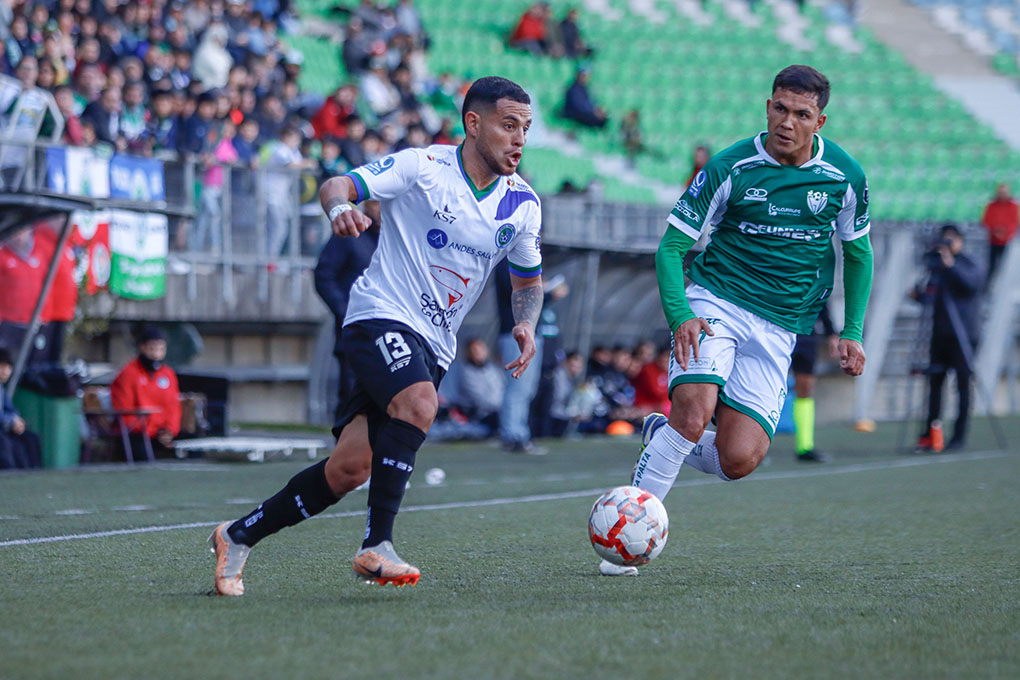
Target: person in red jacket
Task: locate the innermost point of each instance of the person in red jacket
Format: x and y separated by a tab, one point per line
1002	216
63	297
651	384
23	261
331	119
148	383
531	31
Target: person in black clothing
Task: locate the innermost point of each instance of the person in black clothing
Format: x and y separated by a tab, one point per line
579	105
341	262
19	447
952	289
573	44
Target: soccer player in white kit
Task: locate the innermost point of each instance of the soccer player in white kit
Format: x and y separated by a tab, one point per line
449	215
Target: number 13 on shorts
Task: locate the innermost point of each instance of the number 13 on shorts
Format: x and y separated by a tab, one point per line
395	351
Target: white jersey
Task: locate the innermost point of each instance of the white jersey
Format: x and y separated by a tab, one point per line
440	239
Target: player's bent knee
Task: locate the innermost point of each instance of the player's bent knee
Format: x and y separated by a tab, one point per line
739	461
344	475
689	422
417	405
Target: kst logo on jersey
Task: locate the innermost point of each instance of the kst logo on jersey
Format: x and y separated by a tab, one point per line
445	215
756	194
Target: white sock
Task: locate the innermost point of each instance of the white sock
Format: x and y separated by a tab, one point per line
660	463
705	457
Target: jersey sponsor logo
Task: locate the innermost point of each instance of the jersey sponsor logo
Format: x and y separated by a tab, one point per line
437	238
816	201
864	196
863	219
684	208
697	184
439	316
380	166
777	210
445	215
471	250
756	194
455	284
831	174
748	166
795	233
505	234
538	243
437	160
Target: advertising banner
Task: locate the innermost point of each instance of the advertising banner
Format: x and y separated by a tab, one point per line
138	249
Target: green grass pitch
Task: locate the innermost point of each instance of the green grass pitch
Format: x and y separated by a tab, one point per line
880	564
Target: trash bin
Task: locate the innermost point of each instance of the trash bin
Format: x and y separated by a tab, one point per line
57	421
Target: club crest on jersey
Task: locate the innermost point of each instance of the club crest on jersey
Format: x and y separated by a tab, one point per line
817	200
380	166
505	234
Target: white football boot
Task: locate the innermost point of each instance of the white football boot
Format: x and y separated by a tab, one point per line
230	559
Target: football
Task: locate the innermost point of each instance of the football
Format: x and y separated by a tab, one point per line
628	526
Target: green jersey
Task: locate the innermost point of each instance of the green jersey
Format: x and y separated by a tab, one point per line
770	251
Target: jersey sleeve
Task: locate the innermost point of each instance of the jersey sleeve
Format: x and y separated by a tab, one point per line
525	259
386	178
704	201
854	219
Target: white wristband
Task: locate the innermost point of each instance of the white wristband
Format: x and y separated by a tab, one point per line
337	210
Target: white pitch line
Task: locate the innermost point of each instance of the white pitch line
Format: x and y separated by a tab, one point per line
764	476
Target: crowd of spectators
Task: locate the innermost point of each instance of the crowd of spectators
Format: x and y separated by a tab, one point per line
214	80
619	384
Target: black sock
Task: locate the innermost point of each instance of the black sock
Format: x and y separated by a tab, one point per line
306	495
393	451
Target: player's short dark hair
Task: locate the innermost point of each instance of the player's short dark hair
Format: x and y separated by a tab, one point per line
485	92
803	80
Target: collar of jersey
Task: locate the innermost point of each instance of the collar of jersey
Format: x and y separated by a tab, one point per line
759	145
479	193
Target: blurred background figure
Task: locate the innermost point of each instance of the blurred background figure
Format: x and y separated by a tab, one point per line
1001	219
803	364
19	447
146	383
578	104
951	295
481	386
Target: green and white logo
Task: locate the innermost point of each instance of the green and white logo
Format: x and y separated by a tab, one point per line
504	235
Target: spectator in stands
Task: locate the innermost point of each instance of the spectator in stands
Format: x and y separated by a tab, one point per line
200	128
59	309
576	399
64	97
180	74
357	47
135	118
105	115
19	447
651	384
574	45
246	142
579	106
481	386
1001	219
351	145
161	130
331	119
212	60
331	163
952	289
531	32
600	361
380	94
616	388
281	185
208	225
701	156
147	383
272	118
630	131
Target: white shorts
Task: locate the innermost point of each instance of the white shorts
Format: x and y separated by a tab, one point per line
748	358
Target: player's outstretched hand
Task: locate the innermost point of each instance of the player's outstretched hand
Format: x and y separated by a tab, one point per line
350	223
525	337
851	356
687	338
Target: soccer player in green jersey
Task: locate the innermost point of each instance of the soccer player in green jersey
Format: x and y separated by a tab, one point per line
773	202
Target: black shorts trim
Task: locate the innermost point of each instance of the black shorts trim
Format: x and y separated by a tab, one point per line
385	357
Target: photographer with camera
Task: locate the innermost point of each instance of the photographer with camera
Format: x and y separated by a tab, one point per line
951	289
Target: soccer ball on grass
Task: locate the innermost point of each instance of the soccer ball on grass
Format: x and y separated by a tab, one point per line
628	526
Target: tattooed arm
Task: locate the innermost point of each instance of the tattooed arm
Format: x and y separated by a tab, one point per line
526	301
